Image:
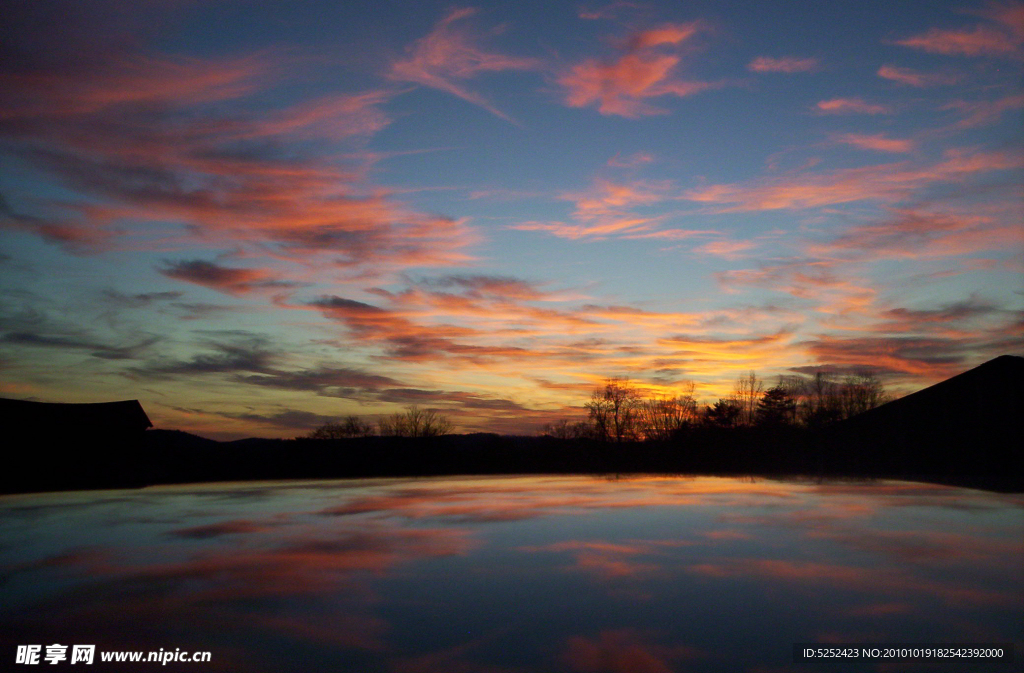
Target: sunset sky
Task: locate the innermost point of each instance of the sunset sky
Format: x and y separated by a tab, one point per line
257	216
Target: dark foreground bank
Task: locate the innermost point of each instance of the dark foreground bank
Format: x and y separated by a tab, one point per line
965	431
981	459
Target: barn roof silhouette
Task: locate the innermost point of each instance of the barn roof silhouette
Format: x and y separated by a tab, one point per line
989	396
24	416
968	424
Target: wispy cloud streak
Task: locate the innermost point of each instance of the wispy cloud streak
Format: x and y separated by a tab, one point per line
1003	35
449	56
137	136
785	64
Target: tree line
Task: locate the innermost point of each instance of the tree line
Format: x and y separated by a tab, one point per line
618	411
413	422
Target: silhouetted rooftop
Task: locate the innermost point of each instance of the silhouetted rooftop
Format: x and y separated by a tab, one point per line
55	417
991	394
970	424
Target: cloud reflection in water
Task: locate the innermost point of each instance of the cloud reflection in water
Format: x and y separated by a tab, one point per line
511	574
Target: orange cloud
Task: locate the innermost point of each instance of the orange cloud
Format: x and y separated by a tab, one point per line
134	136
926	358
477	317
850	106
667	34
214	276
449	54
914	78
981	41
885	182
726	249
534	497
877	142
608	208
1003	36
917	234
245	583
333	117
982	113
603	560
119	82
491	327
786	64
809	279
621	86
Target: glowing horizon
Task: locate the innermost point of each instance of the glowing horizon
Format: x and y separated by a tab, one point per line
254	219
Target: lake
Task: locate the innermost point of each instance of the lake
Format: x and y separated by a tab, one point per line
512	574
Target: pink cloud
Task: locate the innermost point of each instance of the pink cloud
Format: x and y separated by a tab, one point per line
75	234
726	249
929	358
671	234
492	325
980	41
982	113
918	234
608	208
606	197
850	106
335	117
217	277
621	86
667	34
884	182
877	142
603	560
914	78
449	55
1002	36
810	279
786	64
964	320
127	81
135	135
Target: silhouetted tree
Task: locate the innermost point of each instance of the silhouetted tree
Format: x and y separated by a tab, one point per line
776	407
860	392
819	400
725	413
825	399
613	410
352	426
747	393
662	418
415	422
566	429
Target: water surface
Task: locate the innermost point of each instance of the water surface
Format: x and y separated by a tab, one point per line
513	574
